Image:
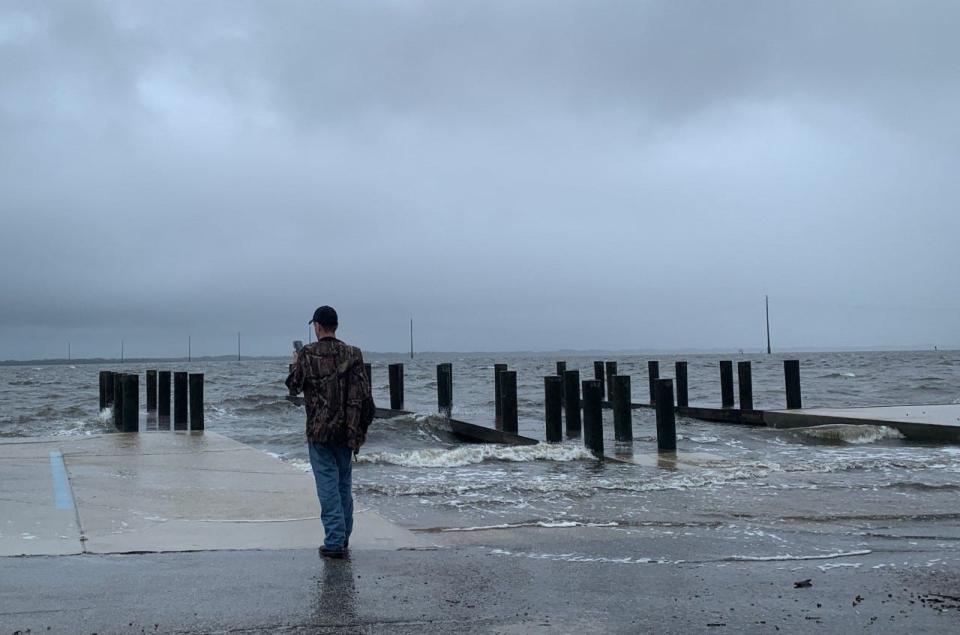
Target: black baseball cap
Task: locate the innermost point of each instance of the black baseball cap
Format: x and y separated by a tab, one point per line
325	316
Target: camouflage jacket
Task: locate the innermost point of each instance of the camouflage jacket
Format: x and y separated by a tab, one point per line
336	392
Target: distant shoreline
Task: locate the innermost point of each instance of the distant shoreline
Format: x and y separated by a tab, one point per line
405	355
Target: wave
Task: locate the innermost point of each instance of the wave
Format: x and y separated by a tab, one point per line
471	454
846	433
837	376
547	524
787	557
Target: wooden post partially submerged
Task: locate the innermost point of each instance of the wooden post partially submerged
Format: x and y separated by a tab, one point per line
396	386
553	409
497	406
745	383
622	409
571	388
682	392
180	401
598	375
611	368
131	403
666	419
196	401
445	389
726	384
106	389
561	369
508	401
163	400
151	390
118	401
593	417
653	374
791	377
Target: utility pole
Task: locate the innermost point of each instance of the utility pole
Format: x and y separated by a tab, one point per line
766	300
411	338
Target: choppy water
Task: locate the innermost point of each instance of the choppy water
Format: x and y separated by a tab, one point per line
757	482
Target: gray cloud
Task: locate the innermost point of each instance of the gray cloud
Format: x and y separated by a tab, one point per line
516	175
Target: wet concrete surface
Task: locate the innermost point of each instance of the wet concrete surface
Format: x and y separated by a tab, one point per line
586	580
119	493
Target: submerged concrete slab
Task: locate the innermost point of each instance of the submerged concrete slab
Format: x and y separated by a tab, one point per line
923	422
666	460
166	491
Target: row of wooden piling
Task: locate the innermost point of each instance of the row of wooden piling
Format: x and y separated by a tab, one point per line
120	392
581	403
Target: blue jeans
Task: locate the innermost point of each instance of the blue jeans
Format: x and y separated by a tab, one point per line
333	472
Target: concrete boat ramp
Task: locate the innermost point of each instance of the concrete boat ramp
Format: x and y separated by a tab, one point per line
940	423
157	492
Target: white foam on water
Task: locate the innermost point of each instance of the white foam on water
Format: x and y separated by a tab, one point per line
855	434
574	557
839	565
105	415
787	556
548	524
471	454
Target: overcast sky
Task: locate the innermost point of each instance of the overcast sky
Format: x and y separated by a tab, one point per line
513	175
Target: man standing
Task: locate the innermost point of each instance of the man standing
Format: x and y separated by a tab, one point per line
339	406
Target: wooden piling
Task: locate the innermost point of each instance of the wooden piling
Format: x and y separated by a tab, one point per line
131	403
118	401
666	419
196	401
571	389
163	400
726	384
396	386
180	401
108	388
791	377
611	368
104	377
553	409
599	371
151	390
745	383
445	389
622	409
561	369
593	416
682	395
498	415
653	374
368	369
508	401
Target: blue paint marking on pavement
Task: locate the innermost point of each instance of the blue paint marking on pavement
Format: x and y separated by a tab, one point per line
62	497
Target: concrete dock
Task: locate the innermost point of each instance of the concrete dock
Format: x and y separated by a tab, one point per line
921	423
161	492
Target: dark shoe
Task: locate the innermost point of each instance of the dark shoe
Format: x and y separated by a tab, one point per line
336	554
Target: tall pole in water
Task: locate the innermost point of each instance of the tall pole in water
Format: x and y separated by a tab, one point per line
69	355
238	346
766	300
411	338
121	351
189	350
